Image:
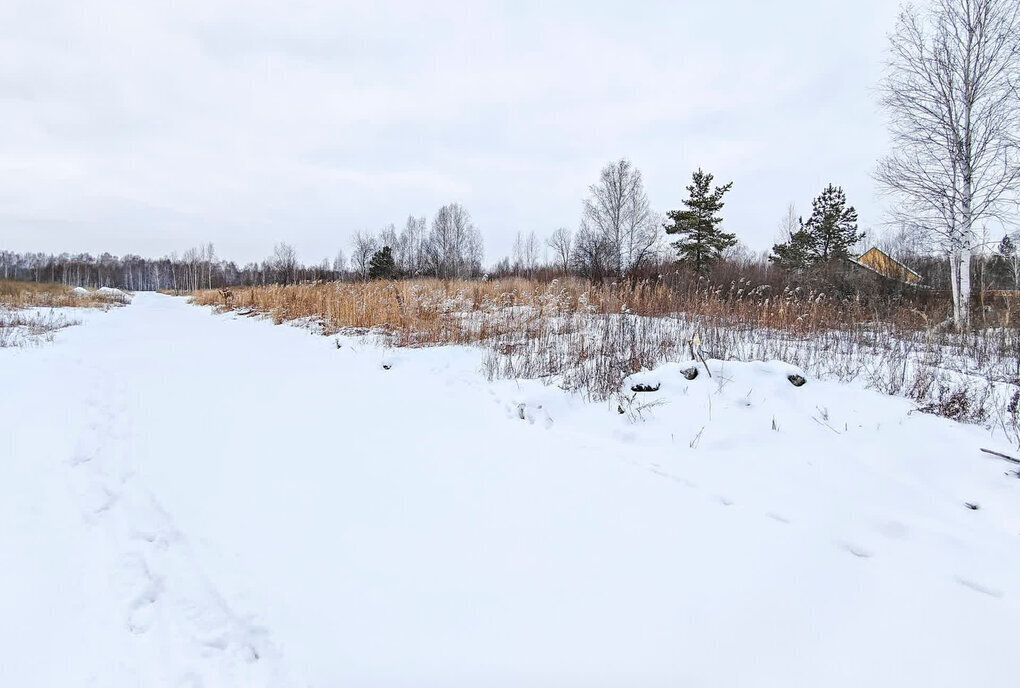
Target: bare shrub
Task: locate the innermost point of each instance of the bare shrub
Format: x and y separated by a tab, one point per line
16	294
21	328
588	337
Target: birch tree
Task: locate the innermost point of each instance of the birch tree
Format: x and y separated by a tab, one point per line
284	260
951	93
617	212
363	246
454	246
561	243
409	250
526	253
339	264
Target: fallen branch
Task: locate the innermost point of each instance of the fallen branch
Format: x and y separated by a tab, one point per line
1000	455
823	424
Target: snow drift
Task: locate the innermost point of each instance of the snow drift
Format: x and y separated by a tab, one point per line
213	500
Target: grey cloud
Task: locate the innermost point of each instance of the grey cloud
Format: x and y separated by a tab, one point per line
154	126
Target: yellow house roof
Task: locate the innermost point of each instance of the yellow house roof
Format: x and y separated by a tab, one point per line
878	260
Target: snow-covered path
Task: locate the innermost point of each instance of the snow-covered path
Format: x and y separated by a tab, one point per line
197	500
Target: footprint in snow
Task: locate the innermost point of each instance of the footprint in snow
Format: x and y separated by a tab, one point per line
857	550
80	457
977	587
725	501
142	607
778	517
160	538
190	680
96	500
894	530
628	437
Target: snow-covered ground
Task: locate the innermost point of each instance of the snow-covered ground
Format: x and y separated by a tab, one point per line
190	499
31	326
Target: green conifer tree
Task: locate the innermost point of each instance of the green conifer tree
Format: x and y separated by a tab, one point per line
382	265
702	239
832	225
828	234
795	254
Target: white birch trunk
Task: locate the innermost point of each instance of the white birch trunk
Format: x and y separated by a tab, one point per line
964	271
954	281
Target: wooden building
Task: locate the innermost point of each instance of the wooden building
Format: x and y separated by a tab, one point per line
887	266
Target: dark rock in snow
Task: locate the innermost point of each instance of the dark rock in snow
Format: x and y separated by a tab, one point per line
645	388
796	380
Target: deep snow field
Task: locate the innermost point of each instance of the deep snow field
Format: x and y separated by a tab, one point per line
192	499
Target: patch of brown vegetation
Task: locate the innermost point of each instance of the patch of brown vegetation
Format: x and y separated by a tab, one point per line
16	294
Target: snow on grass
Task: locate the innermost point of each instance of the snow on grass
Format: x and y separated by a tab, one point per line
32	312
191	499
587	337
29	326
17	295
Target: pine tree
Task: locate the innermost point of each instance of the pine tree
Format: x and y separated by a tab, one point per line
1007	249
382	265
832	225
829	233
1008	259
795	254
702	239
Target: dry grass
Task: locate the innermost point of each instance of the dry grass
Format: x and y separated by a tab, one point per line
429	311
588	337
20	326
14	294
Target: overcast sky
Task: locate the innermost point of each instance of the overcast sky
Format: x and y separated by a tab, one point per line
148	127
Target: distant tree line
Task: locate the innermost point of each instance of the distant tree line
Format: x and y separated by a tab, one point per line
196	268
451	248
619	235
951	94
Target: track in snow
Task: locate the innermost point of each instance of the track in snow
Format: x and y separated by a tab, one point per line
191	499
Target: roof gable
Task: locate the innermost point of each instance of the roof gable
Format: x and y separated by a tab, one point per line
876	252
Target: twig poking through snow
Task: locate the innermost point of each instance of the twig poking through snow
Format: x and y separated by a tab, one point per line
1000	455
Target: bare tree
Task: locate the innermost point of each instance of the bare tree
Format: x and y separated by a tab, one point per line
340	264
388	236
517	253
617	210
738	253
191	260
951	91
790	223
561	243
902	241
209	254
409	251
284	260
454	246
531	252
526	253
363	245
592	255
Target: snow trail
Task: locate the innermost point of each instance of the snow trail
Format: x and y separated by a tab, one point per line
200	500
